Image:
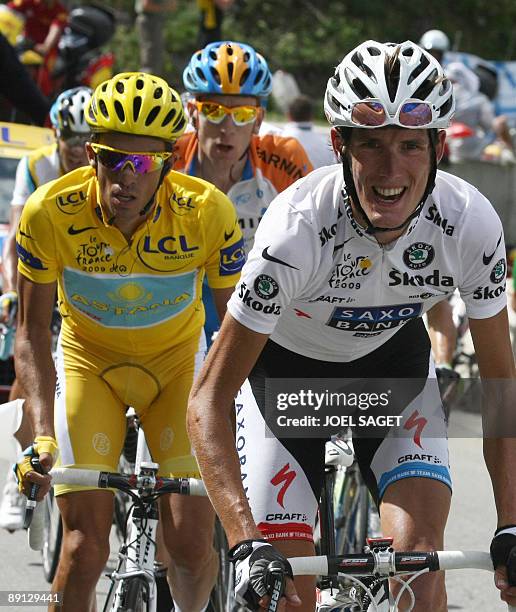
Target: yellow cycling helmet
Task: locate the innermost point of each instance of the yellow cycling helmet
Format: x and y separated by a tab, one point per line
137	103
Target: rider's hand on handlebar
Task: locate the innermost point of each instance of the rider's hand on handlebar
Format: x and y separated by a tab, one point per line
251	559
503	554
44	447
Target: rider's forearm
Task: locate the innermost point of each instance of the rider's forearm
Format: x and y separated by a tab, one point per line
36	373
213	440
9	264
500	457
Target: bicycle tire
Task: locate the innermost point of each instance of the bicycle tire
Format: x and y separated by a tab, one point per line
352	518
221	598
53	537
135	595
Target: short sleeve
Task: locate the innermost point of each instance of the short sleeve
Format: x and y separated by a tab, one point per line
35	243
23	183
226	255
282	262
483	262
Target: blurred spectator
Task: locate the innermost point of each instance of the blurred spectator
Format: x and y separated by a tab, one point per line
44	22
150	19
300	126
475	110
18	87
210	24
284	89
436	43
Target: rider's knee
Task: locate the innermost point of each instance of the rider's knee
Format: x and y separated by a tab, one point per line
87	553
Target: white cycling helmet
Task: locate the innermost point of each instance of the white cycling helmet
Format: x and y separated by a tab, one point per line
435	40
67	112
390	74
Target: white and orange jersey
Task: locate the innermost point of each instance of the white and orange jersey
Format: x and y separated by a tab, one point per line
273	164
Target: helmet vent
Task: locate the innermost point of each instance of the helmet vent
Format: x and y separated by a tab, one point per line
152	115
137	104
247	56
215	75
426	86
392	73
213	56
119	109
244	77
120	87
158	93
408	52
373	51
231	70
103	109
170	115
445	108
423	65
258	77
229	49
139	84
200	75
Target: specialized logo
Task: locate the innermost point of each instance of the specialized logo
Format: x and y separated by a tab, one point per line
487	258
498	272
245	295
373	318
265	255
334	299
232	258
71	203
434	216
418	423
284	477
423	296
418	255
488	293
266	287
79	230
28	258
352	268
181	205
435	279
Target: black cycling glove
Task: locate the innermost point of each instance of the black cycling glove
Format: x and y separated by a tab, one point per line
503	551
251	559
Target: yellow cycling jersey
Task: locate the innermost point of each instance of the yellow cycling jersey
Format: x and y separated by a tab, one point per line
144	294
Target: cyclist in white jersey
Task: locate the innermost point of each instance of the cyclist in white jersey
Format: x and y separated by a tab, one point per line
35	169
344	264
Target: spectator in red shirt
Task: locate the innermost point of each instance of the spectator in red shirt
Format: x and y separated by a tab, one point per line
44	22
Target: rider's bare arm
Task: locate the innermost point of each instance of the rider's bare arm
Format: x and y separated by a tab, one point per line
34	364
9	257
229	361
495	360
221	297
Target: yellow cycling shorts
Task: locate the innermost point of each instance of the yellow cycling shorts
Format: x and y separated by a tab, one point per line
95	387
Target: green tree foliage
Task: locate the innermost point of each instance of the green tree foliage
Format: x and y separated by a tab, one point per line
309	37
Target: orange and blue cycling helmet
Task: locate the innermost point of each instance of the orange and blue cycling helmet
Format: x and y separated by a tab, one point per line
228	68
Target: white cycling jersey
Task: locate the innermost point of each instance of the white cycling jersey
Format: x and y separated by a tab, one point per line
39	167
323	288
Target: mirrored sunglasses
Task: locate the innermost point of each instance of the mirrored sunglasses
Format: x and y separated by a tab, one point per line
216	113
141	163
411	114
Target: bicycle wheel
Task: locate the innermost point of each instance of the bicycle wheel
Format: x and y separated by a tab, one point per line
53	535
352	514
222	595
135	595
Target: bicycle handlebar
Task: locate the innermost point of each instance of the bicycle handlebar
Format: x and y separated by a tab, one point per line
397	562
114	480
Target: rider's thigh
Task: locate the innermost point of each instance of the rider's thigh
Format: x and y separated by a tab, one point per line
87	518
305	585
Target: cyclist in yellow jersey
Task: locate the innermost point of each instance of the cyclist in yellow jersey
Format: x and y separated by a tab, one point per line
128	243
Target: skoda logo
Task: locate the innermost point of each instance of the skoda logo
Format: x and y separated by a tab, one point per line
498	272
418	255
265	287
